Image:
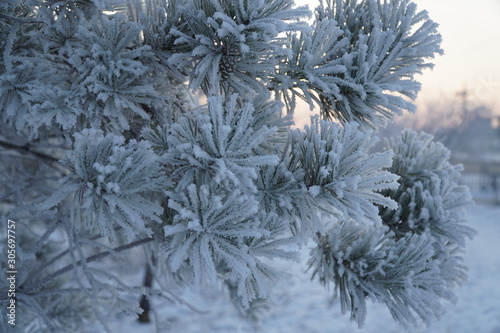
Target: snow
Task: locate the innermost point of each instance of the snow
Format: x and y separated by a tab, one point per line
301	305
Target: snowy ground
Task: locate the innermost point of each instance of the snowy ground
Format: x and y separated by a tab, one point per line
303	306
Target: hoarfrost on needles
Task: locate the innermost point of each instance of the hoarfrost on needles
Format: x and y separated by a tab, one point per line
107	148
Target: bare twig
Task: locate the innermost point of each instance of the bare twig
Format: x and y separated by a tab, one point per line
90	259
43	266
27	149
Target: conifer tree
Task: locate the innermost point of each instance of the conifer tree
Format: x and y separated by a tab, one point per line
167	126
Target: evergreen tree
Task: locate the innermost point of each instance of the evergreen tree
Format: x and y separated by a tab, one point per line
166	125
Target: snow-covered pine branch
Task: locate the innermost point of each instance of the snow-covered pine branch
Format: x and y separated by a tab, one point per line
431	200
220	144
110	183
368	263
360	61
232	45
413	261
339	173
166	126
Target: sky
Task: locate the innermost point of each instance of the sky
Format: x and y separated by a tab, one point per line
471	42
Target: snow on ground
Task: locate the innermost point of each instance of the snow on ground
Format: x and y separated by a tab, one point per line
304	306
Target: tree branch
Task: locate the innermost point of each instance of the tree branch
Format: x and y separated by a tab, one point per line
27	149
20	19
90	259
44	265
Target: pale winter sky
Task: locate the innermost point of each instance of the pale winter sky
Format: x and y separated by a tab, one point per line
471	42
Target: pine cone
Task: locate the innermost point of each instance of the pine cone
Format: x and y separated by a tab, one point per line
227	66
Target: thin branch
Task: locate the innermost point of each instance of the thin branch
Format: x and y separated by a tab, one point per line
44	265
27	149
20	19
46	235
162	293
90	259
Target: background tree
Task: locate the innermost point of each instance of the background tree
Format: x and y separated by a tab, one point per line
105	151
452	118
